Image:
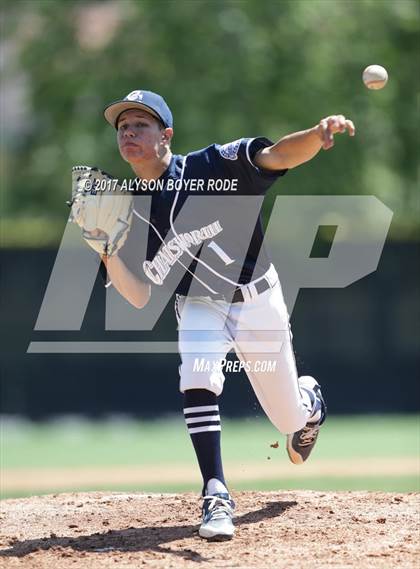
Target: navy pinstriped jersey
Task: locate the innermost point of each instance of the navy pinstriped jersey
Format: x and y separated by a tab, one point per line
217	235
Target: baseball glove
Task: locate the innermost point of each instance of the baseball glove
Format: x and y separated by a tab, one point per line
101	208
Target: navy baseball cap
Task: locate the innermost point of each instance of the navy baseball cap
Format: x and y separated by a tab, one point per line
146	100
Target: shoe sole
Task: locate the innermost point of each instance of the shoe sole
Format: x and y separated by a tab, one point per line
211	536
294	456
217	537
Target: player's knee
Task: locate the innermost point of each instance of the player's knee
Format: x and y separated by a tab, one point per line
186	385
191	378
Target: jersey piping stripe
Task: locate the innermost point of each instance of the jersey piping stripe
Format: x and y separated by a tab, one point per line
204	429
201	409
171	221
248	144
206	418
178	315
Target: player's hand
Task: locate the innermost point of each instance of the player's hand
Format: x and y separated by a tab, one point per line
329	126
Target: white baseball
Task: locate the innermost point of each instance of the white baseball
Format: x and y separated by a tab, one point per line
375	77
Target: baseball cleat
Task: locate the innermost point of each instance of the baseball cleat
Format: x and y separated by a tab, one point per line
299	445
217	524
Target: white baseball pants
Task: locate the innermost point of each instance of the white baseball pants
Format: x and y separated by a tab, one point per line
258	331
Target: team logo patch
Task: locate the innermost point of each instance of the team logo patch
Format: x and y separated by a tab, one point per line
135	96
230	150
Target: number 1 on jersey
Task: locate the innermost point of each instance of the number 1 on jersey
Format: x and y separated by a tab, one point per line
220	253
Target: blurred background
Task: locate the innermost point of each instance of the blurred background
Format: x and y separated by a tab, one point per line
227	69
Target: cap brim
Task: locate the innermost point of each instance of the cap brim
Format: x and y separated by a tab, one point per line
113	111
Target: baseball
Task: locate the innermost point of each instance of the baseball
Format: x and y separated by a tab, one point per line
375	77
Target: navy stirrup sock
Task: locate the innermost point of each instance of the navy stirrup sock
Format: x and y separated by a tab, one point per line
201	413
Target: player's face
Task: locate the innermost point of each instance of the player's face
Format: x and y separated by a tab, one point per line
140	136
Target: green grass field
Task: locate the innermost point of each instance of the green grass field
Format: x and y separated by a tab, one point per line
74	444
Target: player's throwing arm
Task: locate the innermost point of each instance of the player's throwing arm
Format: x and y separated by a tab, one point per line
299	147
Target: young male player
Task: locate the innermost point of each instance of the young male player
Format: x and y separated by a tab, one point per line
228	294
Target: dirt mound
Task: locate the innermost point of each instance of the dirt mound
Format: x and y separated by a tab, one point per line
274	529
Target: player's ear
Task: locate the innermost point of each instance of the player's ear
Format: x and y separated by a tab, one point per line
167	134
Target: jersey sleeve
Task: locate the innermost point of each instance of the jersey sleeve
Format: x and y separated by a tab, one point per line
239	156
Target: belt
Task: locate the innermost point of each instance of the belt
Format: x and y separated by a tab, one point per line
260	286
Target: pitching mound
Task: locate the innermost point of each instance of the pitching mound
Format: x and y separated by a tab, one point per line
274	529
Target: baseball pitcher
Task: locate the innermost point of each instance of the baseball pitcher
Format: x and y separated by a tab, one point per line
228	294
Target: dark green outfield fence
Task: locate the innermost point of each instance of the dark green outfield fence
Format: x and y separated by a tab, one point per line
227	69
361	342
